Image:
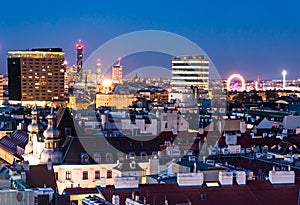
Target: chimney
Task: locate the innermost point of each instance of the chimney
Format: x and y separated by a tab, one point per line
201	131
49	165
102	182
137	196
242	126
23	176
26	166
116	200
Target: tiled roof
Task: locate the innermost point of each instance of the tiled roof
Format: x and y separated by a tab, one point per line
10	142
125	166
112	145
80	190
254	193
231	125
246	141
39	176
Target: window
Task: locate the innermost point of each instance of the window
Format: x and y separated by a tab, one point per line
85	175
67	131
166	125
97	174
68	175
109	174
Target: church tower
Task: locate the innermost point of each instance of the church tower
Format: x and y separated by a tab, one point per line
52	139
34	128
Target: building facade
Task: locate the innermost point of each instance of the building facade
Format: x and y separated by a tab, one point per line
117	73
2	87
36	75
114	100
190	71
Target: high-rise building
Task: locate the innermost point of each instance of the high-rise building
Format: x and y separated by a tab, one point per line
117	72
79	59
190	71
1	87
36	75
99	72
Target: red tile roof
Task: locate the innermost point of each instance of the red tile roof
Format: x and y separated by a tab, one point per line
255	193
80	190
39	176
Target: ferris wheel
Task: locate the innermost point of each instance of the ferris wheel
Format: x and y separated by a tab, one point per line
236	82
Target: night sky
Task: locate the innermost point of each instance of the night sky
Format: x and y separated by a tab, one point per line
254	39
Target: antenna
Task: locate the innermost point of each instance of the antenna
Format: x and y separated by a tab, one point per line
119	61
52	106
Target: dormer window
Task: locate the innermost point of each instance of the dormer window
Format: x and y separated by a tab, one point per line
85	158
132	165
67	131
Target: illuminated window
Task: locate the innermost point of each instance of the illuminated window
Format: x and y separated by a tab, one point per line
68	175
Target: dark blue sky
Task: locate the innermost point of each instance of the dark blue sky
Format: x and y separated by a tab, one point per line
254	38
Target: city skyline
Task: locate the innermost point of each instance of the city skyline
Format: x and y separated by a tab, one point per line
149	102
244	36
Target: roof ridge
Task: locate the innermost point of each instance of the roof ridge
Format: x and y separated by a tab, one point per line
65	155
60	114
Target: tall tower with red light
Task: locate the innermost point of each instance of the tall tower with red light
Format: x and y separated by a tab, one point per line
79	59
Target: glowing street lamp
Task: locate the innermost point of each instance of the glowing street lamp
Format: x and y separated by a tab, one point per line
283	79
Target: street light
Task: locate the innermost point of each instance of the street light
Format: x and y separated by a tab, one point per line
283	79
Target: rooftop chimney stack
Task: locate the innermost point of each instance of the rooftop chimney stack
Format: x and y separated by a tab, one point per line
137	196
116	200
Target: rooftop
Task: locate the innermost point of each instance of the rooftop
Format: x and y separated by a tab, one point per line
254	193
